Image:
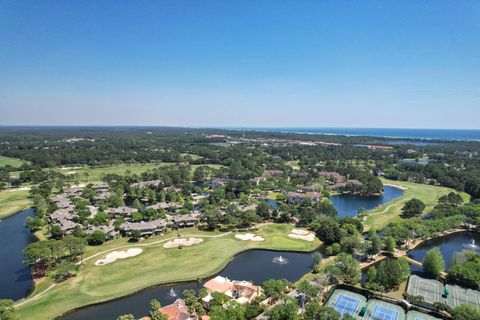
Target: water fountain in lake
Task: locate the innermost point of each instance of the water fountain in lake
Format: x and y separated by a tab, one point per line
280	260
172	293
471	245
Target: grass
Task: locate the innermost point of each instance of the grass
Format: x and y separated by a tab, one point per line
295	164
13	201
274	195
379	217
155	265
192	156
13	162
95	173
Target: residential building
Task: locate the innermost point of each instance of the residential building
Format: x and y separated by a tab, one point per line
240	291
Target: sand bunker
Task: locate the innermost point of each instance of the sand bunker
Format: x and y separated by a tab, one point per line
113	256
395	186
300	232
182	242
302	235
249	237
20	189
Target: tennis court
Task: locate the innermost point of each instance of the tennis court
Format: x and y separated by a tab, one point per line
430	290
415	315
458	295
381	310
346	302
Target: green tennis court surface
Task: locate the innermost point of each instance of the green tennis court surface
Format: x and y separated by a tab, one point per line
430	290
458	295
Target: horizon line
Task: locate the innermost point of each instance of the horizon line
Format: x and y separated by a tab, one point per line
219	127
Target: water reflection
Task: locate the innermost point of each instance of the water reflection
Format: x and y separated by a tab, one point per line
15	279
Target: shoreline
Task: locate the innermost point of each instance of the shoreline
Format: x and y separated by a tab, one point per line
177	280
180	282
354	132
17	211
395	186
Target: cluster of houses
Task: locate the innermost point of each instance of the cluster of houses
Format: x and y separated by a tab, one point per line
296	197
465	154
239	291
335	180
65	216
267	173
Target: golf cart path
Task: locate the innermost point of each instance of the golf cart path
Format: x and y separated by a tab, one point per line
40	294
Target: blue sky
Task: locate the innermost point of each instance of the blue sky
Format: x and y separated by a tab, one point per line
411	64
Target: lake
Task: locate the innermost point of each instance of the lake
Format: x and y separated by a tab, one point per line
15	279
415	161
253	265
273	203
448	245
348	205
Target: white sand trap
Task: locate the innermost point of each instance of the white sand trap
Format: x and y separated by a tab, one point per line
249	237
184	242
300	232
113	256
307	237
395	186
20	189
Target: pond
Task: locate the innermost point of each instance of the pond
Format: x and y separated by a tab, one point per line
253	265
15	279
415	161
274	204
349	205
448	245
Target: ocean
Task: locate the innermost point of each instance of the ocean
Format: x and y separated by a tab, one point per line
430	134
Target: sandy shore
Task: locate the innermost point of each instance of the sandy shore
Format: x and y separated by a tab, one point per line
395	186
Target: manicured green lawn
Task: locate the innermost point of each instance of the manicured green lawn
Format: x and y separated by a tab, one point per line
14	162
12	201
155	265
294	164
95	173
274	195
379	217
192	156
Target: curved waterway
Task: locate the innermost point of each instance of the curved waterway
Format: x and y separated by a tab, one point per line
253	265
448	245
15	279
349	205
